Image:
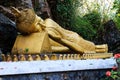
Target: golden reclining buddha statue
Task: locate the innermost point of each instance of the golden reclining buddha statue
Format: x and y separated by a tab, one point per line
61	40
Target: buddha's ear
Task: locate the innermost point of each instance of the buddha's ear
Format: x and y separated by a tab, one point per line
15	12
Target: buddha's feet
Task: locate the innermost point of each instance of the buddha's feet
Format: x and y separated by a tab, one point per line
101	48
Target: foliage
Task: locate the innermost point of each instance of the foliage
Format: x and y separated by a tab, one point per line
94	18
117	17
83	27
114	74
66	16
117	20
87	25
117	5
64	12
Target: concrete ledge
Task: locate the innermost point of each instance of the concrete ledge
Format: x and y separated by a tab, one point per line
26	67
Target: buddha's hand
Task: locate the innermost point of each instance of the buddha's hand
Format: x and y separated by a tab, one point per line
54	36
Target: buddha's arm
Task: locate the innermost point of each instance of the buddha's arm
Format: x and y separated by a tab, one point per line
76	48
72	46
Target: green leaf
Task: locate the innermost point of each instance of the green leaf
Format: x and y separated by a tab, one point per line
26	50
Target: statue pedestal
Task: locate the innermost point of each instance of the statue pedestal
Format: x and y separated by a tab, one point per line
34	43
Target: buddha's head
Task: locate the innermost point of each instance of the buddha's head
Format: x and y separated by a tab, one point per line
27	21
